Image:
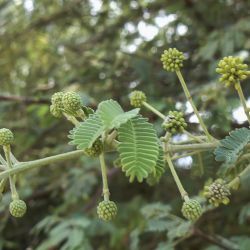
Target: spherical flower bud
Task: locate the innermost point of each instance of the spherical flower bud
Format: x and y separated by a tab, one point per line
96	149
71	102
55	111
137	98
174	122
172	59
191	210
217	193
17	208
107	210
232	70
6	137
56	100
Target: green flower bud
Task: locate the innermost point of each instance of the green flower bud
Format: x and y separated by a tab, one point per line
217	193
71	102
55	111
17	208
96	149
56	100
191	210
174	122
107	210
137	98
6	137
232	70
172	59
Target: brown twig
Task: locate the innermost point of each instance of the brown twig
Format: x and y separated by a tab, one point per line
24	99
216	240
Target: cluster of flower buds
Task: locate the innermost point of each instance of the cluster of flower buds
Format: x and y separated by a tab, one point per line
17	207
107	210
66	102
232	70
191	210
96	149
172	59
217	193
137	98
174	122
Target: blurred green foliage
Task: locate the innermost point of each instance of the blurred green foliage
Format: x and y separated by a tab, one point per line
105	49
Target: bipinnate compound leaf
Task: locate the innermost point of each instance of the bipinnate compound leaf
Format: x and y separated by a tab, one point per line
87	132
155	176
113	115
138	148
232	146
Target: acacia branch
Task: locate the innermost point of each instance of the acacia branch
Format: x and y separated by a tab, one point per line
24	99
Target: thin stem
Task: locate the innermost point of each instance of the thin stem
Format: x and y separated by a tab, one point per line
14	193
182	191
2	185
13	158
20	167
195	138
72	119
3	167
2	160
81	114
201	166
243	100
184	155
189	98
167	157
148	106
105	189
111	137
192	147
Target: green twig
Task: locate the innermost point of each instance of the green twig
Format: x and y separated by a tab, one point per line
189	98
243	100
154	110
14	193
105	189
20	167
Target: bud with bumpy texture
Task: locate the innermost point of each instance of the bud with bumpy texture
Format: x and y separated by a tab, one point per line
174	122
56	100
172	59
56	108
107	210
17	208
96	149
137	98
217	193
232	70
71	102
191	210
55	111
6	137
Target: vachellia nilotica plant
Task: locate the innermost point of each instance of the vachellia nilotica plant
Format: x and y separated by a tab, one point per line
142	155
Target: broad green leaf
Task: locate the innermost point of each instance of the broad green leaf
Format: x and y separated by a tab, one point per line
87	132
138	148
113	115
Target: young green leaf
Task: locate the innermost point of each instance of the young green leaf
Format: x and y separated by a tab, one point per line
113	115
87	132
231	146
138	148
